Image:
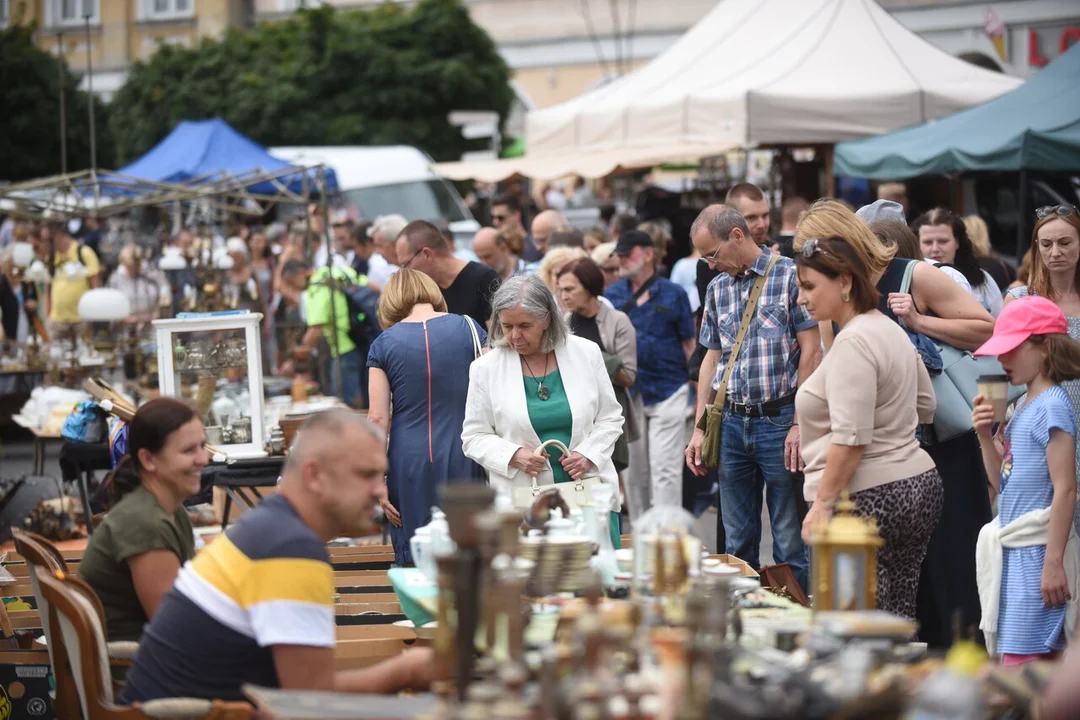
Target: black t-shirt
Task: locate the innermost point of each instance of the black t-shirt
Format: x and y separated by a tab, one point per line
586	327
470	293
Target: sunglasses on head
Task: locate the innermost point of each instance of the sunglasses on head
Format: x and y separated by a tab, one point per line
815	245
1062	210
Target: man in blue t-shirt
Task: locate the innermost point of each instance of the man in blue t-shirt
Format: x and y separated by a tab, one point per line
660	312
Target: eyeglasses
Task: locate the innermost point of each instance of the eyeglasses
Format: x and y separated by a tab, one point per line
711	258
1062	210
499	218
410	261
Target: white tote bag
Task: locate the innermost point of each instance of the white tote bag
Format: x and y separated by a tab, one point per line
576	493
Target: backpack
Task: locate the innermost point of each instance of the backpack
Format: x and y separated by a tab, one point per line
363	304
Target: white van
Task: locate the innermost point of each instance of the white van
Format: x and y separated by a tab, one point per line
390	179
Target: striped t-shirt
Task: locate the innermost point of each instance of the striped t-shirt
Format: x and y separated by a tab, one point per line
268	581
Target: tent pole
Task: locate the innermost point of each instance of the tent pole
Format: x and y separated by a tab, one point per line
63	101
1022	217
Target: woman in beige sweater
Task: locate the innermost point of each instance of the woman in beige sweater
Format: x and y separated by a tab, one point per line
858	413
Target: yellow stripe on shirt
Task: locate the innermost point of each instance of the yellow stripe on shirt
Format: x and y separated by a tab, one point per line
247	582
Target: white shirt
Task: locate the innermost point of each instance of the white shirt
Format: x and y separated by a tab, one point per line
379	270
320	258
988	294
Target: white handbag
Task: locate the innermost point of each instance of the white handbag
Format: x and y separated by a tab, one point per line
576	493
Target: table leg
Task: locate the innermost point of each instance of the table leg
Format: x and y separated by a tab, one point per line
39	456
84	492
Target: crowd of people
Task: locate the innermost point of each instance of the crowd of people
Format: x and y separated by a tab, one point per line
820	348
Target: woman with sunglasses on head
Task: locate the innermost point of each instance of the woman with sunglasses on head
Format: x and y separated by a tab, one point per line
939	308
1055	275
859	411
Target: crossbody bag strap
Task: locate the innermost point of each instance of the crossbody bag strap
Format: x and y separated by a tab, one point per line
744	326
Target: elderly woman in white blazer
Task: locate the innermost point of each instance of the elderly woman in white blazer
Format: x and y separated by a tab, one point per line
539	382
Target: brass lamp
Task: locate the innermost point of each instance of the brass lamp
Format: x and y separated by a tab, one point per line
844	569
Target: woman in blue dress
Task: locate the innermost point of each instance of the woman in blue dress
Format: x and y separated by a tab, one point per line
418	382
1027	558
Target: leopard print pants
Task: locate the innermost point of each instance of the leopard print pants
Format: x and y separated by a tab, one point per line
907	511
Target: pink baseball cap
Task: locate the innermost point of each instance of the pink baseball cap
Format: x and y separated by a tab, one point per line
1020	320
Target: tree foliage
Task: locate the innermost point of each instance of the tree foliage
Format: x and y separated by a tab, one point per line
30	118
324	77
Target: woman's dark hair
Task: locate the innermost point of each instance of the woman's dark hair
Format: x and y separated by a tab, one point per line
834	257
900	236
965	260
151	427
588	274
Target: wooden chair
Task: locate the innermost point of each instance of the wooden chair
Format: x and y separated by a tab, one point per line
40	554
83	636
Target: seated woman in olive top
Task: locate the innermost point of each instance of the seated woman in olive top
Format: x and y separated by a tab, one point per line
133	557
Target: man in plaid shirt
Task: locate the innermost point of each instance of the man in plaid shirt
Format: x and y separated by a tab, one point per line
760	437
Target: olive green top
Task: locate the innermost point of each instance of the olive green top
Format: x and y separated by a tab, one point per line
137	524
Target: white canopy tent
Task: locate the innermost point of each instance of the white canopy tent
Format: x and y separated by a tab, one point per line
752	72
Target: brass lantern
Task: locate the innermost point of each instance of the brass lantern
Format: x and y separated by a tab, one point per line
844	571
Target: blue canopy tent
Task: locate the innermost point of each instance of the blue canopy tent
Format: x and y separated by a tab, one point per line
212	151
1034	127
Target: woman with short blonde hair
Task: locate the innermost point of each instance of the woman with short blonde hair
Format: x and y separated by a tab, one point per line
399	298
418	372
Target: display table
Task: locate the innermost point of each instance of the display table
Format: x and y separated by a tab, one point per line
41	438
241	479
303	704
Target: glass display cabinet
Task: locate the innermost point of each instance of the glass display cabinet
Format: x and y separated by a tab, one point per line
215	361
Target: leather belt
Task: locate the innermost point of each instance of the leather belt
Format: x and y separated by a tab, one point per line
771	408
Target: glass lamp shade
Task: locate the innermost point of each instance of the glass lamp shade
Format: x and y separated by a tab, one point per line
104	305
223	261
22	254
172	259
37	272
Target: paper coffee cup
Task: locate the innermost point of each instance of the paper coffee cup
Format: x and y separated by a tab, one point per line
995	389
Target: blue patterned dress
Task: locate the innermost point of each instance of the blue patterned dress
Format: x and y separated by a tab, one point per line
427	364
1025	625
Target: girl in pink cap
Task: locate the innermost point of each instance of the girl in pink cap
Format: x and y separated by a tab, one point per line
1027	558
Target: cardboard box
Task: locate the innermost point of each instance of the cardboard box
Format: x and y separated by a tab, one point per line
25	685
744	567
237	509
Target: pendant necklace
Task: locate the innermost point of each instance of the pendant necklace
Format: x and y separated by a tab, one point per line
541	392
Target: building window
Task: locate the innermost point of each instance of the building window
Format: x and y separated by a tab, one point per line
4	10
168	9
73	12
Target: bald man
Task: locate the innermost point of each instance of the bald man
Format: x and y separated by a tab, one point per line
257	604
544	224
492	250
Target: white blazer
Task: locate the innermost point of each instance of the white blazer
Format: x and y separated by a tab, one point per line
497	417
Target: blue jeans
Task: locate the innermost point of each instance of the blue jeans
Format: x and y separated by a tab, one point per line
352	366
753	450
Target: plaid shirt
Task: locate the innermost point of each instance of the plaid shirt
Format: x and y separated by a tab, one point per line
768	364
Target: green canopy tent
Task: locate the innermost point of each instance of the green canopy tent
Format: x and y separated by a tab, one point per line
1034	127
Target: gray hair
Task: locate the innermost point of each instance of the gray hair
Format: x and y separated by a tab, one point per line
529	293
719	221
388	226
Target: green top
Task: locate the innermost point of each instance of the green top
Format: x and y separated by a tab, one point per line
137	524
551	418
317	305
